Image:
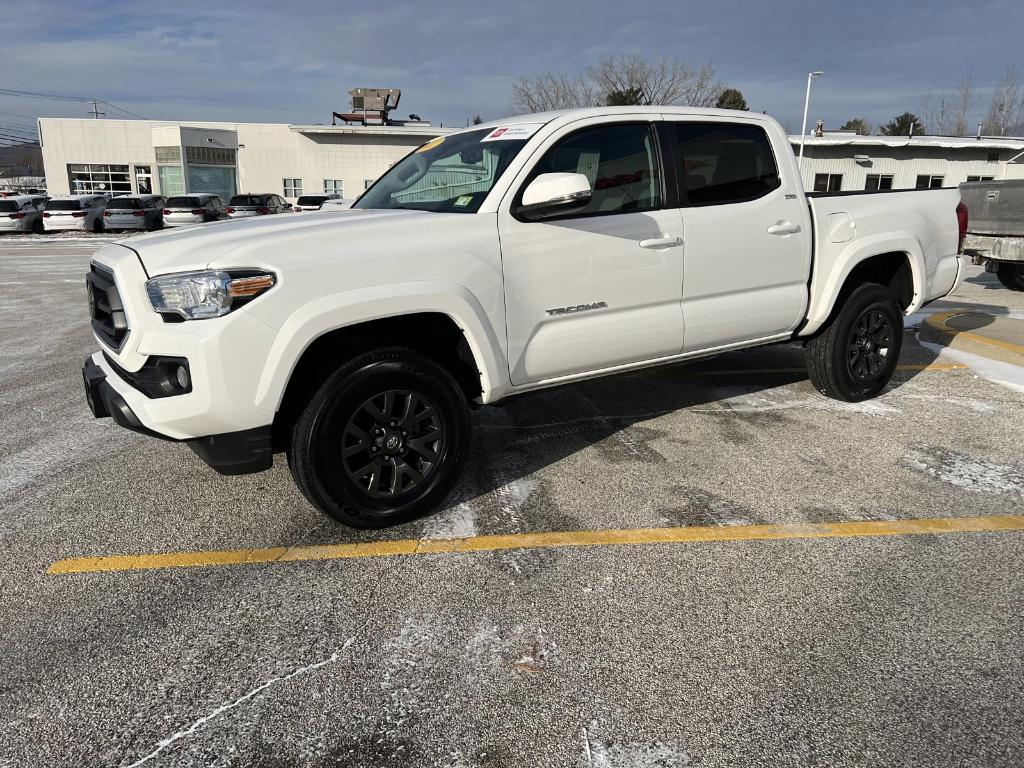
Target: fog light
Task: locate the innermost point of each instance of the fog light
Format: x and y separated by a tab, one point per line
181	375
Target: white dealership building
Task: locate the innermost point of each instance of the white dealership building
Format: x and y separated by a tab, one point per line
837	161
171	158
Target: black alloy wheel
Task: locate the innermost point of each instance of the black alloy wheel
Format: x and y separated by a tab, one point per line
392	443
855	354
383	440
869	345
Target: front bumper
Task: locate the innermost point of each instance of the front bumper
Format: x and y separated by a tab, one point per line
230	453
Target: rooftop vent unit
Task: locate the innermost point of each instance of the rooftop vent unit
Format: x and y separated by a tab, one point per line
370	106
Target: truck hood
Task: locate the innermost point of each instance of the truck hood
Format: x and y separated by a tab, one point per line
226	244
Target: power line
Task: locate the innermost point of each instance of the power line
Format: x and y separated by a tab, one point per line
36	95
10	128
58	97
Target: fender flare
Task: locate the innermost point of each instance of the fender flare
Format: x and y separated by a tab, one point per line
858	252
349	308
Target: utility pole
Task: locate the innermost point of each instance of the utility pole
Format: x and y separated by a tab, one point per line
807	103
95	111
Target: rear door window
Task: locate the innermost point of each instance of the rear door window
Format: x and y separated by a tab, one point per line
722	163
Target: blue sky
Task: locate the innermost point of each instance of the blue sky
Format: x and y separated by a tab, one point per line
295	61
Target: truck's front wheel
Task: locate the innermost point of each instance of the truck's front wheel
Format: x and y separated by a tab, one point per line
1011	274
383	440
856	355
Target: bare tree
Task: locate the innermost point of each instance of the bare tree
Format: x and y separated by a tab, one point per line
964	105
547	91
1006	110
668	81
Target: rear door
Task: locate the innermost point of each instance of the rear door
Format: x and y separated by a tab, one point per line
598	287
746	229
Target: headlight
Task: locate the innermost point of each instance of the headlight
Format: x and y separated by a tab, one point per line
201	295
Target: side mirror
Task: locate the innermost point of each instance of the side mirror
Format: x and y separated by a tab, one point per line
552	193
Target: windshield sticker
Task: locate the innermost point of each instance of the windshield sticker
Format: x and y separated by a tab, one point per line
433	143
516	132
463	201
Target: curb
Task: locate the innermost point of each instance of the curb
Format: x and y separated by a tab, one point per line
935	330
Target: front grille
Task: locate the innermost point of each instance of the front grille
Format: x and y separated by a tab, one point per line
109	321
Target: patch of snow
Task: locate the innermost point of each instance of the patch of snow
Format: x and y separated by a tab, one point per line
965	472
1007	374
456	523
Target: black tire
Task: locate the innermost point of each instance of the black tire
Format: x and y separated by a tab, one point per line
1011	274
854	357
366	479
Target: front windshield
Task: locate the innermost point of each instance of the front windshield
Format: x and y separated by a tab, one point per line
450	174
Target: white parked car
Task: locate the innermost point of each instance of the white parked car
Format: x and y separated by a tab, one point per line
198	208
22	213
244	206
144	212
340	204
313	202
505	258
83	212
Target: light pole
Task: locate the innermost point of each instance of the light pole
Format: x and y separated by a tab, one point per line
807	104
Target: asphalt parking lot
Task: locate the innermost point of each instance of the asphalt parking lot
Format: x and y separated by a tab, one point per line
763	639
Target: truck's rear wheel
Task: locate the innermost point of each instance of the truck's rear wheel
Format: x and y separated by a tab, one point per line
1011	274
383	441
856	355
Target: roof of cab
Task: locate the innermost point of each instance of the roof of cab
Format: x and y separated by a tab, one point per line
567	115
80	197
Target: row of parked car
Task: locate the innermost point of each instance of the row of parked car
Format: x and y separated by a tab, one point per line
96	213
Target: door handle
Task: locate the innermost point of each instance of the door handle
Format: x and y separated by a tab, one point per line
783	228
661	242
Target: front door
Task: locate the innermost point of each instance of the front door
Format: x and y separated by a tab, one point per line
747	256
598	287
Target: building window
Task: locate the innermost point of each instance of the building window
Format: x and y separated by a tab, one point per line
209	156
168	155
292	187
981	178
828	182
99	179
172	180
928	182
876	181
367	183
334	186
993	157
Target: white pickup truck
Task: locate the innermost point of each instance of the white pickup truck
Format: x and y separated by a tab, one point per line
538	251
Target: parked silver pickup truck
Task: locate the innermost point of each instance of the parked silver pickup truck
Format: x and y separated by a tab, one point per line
995	233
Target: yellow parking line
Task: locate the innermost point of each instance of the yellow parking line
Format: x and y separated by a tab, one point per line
938	322
540	540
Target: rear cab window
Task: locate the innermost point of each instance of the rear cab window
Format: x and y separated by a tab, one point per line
311	200
8	206
722	163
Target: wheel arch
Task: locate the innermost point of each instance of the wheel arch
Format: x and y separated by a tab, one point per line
448	326
897	264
